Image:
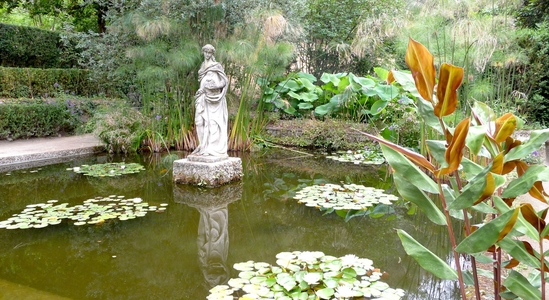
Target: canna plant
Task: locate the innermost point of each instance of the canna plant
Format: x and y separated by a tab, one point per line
464	174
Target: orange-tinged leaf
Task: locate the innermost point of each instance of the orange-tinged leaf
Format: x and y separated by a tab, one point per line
416	158
511	263
532	217
508	167
511	143
505	126
488	190
449	80
454	152
509	226
390	77
497	164
421	63
538	192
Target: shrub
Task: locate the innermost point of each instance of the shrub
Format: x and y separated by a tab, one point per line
120	127
27	119
30	82
22	46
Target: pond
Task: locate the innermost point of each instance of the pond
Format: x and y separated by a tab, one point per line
181	253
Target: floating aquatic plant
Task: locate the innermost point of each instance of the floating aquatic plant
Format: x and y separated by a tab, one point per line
92	211
364	156
108	169
307	275
349	200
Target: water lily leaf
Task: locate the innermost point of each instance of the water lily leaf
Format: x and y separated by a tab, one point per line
520	286
489	234
426	259
449	80
325	293
365	83
305	105
385	92
421	63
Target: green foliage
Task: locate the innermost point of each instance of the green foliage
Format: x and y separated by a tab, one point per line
120	127
25	119
463	183
537	78
31	82
22	47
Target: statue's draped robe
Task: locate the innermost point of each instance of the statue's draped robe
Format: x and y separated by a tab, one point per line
211	116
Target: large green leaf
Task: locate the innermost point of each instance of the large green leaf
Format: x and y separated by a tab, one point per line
329	107
309	77
521	287
522	225
488	234
437	150
381	73
378	106
305	105
470	168
524	183
343	84
470	193
406	80
291	84
408	170
475	138
484	113
365	83
307	84
426	259
411	193
519	252
537	138
386	92
309	97
426	111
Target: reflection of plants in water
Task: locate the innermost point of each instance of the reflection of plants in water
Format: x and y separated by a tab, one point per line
307	275
348	201
108	169
92	211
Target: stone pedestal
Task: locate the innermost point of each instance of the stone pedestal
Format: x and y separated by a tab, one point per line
207	171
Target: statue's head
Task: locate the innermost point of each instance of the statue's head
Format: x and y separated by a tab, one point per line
208	48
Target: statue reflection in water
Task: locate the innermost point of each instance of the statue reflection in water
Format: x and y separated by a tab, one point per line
213	233
213	244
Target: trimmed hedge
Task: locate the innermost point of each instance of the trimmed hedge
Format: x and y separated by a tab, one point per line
22	46
35	119
30	83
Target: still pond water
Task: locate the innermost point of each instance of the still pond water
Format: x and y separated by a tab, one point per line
182	253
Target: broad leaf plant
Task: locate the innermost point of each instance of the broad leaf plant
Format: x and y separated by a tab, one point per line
466	171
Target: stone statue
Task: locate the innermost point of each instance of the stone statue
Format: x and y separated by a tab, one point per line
211	116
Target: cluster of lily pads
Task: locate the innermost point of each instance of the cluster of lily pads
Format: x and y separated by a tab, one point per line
92	211
346	197
363	156
108	169
306	276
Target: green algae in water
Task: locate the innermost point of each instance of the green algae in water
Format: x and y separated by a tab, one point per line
92	211
108	169
307	275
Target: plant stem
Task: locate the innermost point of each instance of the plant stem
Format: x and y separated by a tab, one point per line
452	241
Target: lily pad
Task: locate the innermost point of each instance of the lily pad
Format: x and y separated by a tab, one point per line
358	157
108	169
315	276
350	199
92	211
